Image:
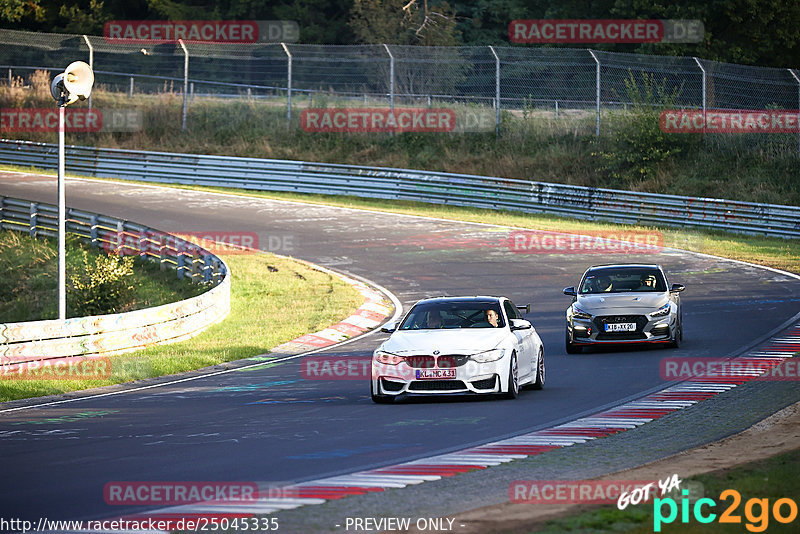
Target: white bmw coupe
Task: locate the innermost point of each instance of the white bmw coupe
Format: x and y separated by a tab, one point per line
458	345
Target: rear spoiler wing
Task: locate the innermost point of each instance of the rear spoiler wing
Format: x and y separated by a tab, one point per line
526	308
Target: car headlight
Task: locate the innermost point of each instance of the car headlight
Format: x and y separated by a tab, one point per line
578	313
388	358
662	311
488	356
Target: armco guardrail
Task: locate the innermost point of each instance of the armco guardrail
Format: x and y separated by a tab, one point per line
31	341
425	186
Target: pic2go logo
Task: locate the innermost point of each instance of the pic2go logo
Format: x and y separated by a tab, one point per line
756	511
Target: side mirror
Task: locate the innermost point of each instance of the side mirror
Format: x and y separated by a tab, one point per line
388	328
570	291
677	287
520	324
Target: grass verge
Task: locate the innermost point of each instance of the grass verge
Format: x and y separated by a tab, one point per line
273	300
772	479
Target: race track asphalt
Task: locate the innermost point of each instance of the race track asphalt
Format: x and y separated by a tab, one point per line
272	426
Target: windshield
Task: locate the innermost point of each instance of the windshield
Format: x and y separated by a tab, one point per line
452	315
622	280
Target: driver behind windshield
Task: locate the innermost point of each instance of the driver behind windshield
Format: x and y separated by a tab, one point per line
647	282
493	318
596	284
434	319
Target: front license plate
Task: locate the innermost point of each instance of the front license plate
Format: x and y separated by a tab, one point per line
621	327
436	374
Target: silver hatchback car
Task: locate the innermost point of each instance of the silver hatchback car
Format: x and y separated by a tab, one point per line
624	304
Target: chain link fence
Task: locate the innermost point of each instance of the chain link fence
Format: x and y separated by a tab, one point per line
517	79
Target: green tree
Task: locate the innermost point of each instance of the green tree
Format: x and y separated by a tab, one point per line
89	20
320	21
754	32
21	10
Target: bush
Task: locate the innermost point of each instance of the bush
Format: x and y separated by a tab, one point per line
638	145
101	286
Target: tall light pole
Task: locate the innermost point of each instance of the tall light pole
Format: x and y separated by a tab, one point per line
74	84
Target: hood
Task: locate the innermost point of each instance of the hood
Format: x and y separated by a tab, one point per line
645	302
455	341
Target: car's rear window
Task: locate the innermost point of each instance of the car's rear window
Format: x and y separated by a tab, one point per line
451	315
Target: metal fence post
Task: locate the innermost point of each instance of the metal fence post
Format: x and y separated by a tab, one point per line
9	76
130	90
496	91
91	62
797	79
703	70
597	103
185	82
391	76
288	84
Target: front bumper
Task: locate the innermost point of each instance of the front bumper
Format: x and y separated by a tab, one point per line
592	331
470	378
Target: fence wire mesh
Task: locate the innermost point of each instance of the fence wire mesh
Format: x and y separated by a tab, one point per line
530	79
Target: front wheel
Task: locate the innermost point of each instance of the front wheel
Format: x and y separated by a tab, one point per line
379	399
677	336
513	378
571	348
540	375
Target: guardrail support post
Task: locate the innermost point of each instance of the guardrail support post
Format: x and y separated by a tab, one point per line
195	269
93	231
181	265
216	271
496	91
207	268
797	79
143	244
597	97
120	238
162	252
391	77
703	70
91	62
34	218
185	82
288	84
